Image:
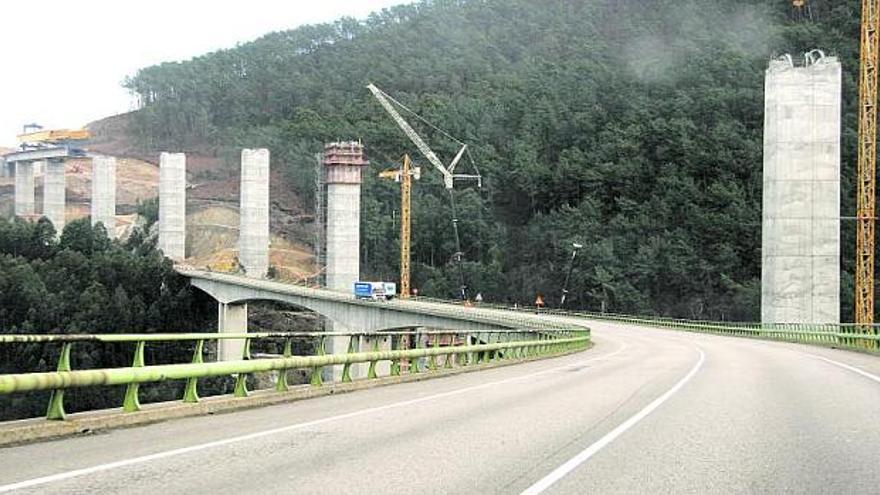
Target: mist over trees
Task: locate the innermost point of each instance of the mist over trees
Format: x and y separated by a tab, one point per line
633	128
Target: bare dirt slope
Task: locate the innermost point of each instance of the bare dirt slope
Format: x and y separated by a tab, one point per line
212	200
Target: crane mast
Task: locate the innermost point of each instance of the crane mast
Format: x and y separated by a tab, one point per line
867	162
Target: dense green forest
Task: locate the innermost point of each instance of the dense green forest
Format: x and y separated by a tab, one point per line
86	283
631	127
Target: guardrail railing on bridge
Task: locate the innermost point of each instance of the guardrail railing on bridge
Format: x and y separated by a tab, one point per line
419	350
843	335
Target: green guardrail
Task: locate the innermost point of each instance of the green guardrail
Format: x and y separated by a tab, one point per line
407	347
843	335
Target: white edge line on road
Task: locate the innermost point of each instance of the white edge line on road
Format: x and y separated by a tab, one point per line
227	441
557	474
864	373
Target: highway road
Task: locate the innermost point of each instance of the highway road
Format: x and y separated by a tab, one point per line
644	411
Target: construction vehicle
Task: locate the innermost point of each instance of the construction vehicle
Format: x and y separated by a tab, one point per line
375	290
449	179
34	136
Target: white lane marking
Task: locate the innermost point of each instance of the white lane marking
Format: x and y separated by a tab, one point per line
557	474
869	376
227	441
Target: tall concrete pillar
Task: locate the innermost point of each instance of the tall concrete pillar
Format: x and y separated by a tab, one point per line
343	164
800	279
172	205
253	240
24	188
54	194
231	318
104	193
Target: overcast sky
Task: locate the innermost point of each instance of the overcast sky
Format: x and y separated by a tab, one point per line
62	61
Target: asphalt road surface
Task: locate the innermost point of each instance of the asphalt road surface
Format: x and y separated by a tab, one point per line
644	411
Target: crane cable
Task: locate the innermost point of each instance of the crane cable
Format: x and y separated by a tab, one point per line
459	254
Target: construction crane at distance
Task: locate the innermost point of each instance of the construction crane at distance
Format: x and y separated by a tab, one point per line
867	164
404	175
449	179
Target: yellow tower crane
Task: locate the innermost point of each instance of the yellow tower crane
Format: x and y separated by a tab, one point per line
867	166
404	175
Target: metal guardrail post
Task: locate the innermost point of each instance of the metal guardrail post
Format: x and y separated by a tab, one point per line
241	389
371	372
281	385
414	363
346	368
396	346
432	360
132	402
317	380
191	390
56	400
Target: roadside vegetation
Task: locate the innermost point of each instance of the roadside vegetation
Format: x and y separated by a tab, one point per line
85	283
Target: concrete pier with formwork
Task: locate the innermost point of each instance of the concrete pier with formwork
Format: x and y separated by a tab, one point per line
800	279
253	241
24	189
104	193
55	193
344	163
172	205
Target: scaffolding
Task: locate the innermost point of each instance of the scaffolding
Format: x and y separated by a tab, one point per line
320	220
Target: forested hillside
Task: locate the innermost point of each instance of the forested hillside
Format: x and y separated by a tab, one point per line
631	127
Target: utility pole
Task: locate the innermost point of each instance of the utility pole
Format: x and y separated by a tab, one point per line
574	254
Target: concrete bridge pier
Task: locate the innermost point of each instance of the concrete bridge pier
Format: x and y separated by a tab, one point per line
343	165
253	240
54	194
231	318
172	205
24	189
104	193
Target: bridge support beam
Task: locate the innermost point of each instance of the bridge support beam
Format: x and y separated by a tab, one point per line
54	193
104	193
231	318
172	205
24	189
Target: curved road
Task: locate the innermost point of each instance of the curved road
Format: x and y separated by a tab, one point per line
645	411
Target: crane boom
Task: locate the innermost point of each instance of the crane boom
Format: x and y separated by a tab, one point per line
448	181
413	136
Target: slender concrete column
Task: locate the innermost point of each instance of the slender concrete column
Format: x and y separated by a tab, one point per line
253	240
344	163
800	279
104	193
54	194
172	205
24	188
231	318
